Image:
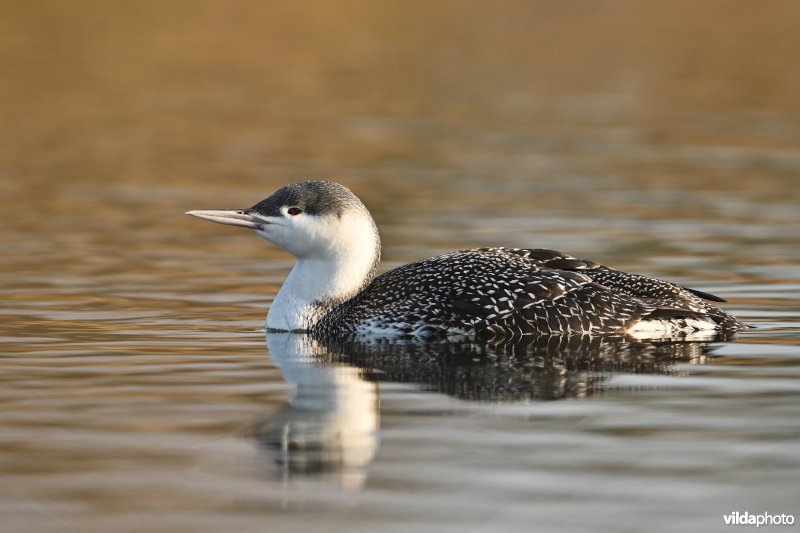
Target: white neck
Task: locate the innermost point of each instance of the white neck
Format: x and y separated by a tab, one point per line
327	276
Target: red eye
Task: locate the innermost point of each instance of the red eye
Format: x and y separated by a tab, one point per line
294	211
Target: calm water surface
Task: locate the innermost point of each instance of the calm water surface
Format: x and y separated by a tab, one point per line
139	391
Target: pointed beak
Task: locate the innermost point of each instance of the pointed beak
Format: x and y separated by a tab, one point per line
231	217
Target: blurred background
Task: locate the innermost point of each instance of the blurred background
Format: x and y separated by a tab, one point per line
659	137
591	111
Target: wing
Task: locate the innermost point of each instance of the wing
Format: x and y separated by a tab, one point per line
666	300
494	292
632	284
530	297
503	292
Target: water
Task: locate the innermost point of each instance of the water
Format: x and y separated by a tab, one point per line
138	389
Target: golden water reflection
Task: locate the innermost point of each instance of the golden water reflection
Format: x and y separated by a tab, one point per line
653	137
330	425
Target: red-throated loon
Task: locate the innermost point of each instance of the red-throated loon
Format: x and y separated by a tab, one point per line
486	292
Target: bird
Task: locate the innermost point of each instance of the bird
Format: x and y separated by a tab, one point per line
483	293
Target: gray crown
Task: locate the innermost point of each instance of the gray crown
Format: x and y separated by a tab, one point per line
313	197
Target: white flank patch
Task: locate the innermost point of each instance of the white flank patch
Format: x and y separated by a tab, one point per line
688	328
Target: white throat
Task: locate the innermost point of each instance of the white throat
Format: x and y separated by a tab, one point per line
341	262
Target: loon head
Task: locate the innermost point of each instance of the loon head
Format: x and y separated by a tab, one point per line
310	220
330	232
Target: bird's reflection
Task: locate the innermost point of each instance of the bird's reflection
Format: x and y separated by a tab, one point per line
330	427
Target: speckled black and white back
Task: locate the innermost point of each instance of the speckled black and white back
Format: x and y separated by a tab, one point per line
505	292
